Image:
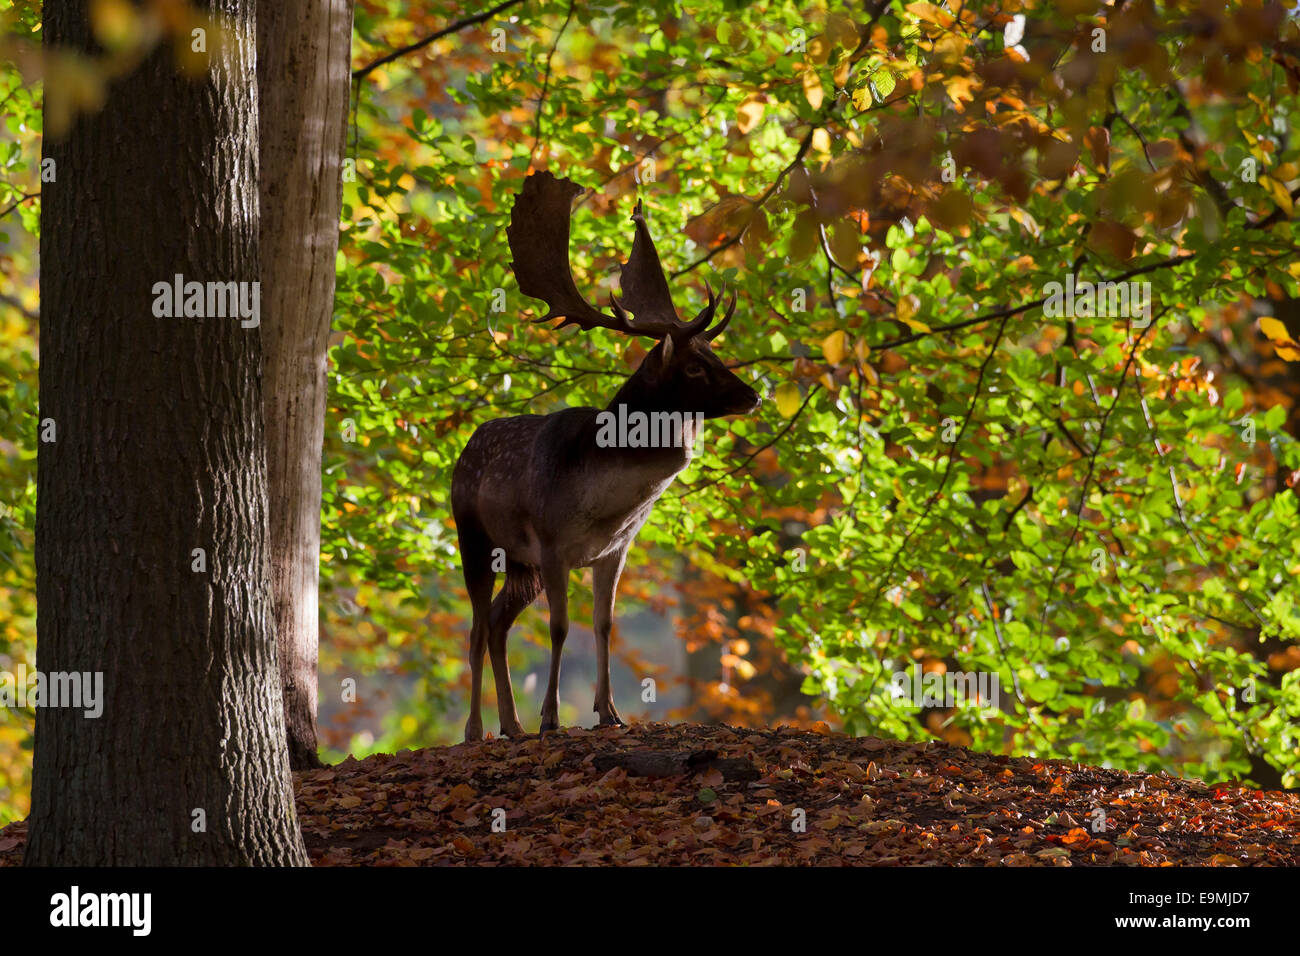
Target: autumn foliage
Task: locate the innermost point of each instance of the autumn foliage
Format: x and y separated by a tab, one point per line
1097	508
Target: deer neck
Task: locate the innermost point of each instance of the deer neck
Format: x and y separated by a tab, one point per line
650	441
639	395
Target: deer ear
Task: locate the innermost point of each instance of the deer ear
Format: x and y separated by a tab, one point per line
666	354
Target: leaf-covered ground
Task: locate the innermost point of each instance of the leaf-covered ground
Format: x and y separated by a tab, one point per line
581	797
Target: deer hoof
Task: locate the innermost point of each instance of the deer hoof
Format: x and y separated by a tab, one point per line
612	720
473	732
549	724
516	731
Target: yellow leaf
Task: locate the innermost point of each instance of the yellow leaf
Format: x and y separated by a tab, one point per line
841	30
724	32
116	23
1026	220
959	88
908	306
1291	355
951	48
749	113
930	13
833	346
821	141
1280	194
812	89
787	399
1274	329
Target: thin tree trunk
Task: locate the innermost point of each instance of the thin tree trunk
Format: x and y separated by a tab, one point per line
159	450
303	76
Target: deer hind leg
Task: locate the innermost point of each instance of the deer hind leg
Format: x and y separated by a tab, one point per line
479	580
521	587
555	578
605	575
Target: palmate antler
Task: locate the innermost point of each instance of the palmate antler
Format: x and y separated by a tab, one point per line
539	242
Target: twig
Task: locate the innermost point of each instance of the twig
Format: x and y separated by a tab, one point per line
757	451
952	460
362	72
804	145
1092	465
546	82
18	202
24	312
1016	310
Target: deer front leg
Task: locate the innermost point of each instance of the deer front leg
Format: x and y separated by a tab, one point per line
555	579
605	575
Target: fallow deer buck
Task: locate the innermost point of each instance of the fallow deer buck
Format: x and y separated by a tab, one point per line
540	495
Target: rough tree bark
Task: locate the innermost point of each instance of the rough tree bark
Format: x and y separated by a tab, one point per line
303	49
159	450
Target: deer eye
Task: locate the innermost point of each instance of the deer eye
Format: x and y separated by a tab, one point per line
695	370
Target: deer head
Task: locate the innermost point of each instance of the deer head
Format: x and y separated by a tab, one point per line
681	373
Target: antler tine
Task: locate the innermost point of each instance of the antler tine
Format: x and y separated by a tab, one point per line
654	327
717	329
620	313
702	320
620	321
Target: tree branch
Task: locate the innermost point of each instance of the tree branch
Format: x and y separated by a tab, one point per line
546	81
1092	465
16	203
362	72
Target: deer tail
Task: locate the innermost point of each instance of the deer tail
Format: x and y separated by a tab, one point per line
523	583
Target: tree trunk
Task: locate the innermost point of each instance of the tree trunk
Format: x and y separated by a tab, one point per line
159	450
303	67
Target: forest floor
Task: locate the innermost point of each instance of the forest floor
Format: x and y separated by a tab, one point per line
688	794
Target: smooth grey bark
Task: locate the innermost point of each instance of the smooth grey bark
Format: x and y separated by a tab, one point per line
303	84
159	451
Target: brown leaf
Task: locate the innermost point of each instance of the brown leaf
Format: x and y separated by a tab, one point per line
1097	139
